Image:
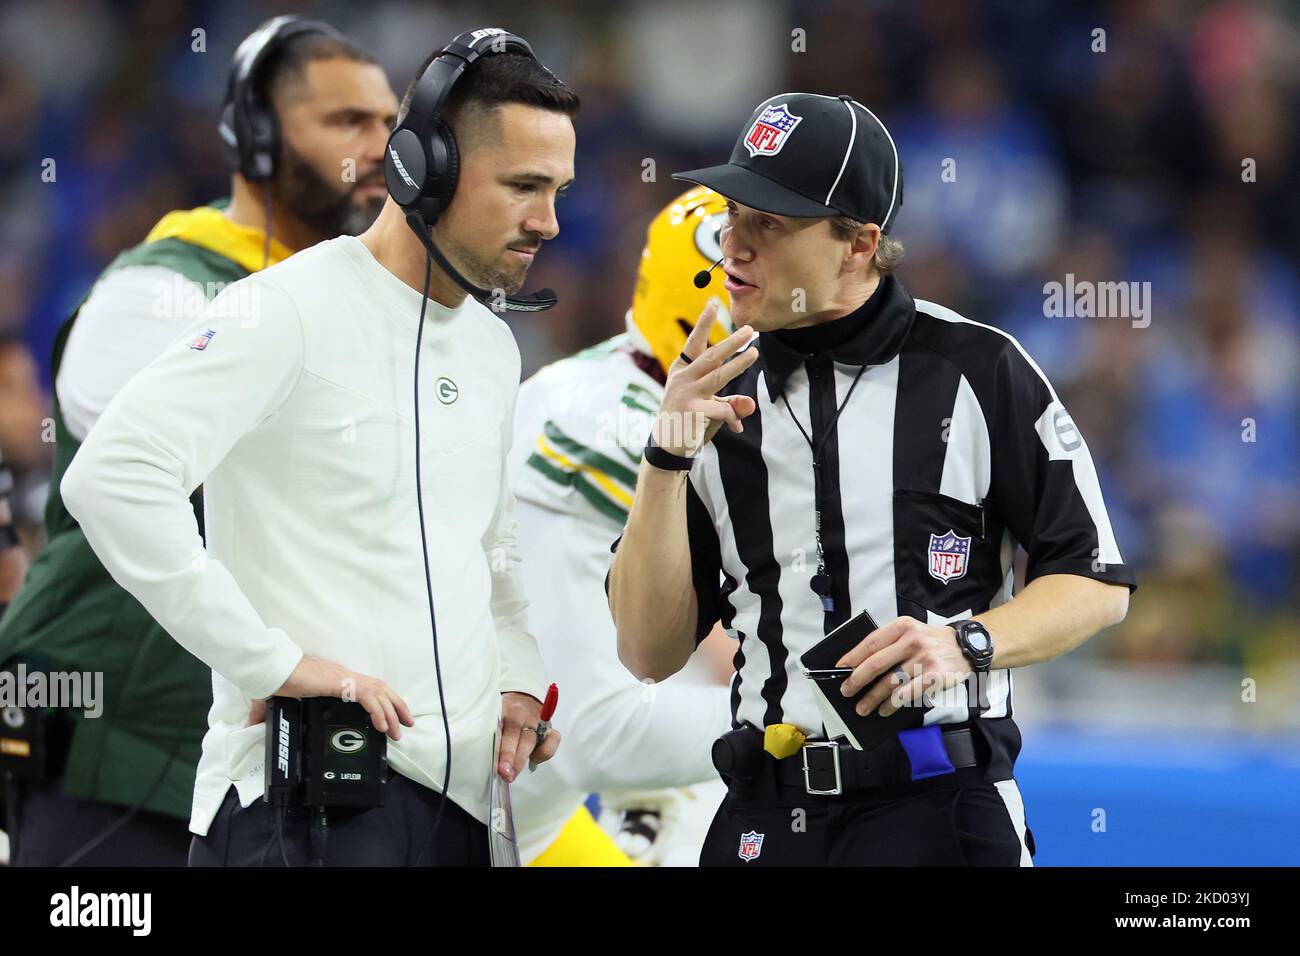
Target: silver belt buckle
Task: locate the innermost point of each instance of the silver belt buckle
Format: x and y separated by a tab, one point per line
838	789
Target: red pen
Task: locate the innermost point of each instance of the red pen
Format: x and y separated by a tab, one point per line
544	725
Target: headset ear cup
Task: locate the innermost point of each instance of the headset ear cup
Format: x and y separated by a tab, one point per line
230	151
443	173
273	144
453	160
264	143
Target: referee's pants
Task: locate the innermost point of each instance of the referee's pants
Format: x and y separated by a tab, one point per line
956	819
396	834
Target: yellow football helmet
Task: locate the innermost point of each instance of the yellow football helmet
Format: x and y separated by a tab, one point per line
681	240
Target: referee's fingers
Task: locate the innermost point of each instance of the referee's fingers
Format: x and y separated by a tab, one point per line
721	376
723	411
875	665
911	694
716	355
742	407
698	340
880	638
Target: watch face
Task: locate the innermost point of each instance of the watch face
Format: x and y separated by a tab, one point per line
978	640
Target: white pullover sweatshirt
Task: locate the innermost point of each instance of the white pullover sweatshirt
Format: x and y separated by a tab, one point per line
291	403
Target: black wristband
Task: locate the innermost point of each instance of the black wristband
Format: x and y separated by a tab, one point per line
666	460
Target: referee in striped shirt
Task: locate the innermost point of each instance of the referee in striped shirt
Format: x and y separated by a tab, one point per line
881	454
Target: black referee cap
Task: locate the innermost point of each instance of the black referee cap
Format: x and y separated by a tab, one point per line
804	154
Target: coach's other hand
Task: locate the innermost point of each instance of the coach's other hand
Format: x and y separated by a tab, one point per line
519	716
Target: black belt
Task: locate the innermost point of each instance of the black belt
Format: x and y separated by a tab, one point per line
834	768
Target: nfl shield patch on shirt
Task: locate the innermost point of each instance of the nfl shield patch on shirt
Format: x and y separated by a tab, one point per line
948	554
751	845
200	342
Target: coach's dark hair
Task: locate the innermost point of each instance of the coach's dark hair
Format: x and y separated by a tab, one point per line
288	64
496	80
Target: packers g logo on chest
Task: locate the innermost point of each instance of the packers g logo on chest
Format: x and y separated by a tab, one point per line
446	390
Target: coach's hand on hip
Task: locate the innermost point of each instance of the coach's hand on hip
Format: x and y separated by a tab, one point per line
691	411
928	655
520	714
316	677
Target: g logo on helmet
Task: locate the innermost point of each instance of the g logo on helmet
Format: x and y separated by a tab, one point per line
708	236
348	741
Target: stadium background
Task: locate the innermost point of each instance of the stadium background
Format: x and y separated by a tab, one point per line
1168	739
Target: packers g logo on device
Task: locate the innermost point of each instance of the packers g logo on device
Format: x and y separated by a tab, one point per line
348	741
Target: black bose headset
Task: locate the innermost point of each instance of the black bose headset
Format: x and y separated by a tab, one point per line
422	162
250	131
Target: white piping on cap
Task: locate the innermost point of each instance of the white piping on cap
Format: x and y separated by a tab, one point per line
853	132
893	196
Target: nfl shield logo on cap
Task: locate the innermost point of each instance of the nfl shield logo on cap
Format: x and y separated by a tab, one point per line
948	553
751	845
771	130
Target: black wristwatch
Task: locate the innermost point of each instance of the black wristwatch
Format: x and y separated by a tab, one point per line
976	643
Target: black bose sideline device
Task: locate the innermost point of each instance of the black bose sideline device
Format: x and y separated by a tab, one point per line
422	161
249	128
323	752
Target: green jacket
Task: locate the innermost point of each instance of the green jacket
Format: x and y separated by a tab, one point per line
71	616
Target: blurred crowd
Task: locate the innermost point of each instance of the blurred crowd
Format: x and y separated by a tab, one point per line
1151	141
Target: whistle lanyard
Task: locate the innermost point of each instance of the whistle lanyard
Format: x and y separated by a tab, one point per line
821	582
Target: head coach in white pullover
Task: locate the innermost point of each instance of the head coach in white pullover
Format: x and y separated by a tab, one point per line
292	403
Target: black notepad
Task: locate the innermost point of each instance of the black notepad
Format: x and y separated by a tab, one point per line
838	714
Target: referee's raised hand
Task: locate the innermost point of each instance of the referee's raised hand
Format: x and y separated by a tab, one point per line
692	412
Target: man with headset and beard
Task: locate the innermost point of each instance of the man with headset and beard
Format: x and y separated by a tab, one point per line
304	106
354	481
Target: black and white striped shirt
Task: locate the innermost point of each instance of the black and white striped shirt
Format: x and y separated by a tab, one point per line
952	449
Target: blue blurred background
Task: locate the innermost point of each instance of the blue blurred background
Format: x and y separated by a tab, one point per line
1169	157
